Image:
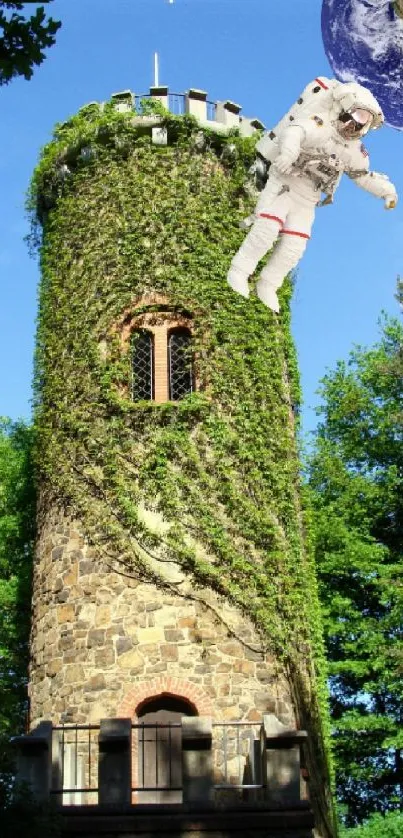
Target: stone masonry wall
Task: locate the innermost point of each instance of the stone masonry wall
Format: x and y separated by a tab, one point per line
103	643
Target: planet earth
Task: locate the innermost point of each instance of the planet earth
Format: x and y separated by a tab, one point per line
363	40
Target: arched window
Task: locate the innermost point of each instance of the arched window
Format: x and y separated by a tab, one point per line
180	366
142	365
160	748
158	341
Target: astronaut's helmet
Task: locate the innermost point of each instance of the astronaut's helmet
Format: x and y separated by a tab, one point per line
357	111
354	123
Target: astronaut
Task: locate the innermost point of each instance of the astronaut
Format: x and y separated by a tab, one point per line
308	153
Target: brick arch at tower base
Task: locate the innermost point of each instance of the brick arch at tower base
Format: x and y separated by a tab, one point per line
164	685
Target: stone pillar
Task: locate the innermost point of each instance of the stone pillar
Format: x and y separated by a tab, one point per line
281	761
123	101
161	94
34	760
159	135
257	124
196	104
228	113
248	127
114	767
91	107
197	765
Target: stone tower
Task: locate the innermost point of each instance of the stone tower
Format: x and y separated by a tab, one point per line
172	573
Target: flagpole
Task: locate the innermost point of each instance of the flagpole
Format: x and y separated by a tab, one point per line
156	70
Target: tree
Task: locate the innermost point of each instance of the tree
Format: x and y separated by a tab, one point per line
379	826
20	813
23	39
17	531
356	476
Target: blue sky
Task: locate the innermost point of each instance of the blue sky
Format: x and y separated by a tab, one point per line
259	53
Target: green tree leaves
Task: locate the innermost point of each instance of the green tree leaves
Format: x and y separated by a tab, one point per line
357	481
23	39
378	826
17	530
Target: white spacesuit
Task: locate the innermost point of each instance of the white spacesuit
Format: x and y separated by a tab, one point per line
309	151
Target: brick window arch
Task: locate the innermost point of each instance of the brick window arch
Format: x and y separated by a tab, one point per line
166	685
159	339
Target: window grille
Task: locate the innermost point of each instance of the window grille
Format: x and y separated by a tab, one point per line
180	364
142	365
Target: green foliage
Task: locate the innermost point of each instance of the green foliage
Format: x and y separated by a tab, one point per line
17	531
23	39
150	106
379	826
220	467
399	291
357	480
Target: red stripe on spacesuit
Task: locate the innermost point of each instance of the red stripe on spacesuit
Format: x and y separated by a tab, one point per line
271	217
295	233
322	84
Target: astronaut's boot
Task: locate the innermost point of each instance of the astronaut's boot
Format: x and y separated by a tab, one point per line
238	280
267	294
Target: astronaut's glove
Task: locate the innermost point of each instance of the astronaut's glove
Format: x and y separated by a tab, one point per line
390	202
284	164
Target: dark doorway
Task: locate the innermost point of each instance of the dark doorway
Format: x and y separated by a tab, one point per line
160	749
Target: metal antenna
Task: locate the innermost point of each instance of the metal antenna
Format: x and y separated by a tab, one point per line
156	70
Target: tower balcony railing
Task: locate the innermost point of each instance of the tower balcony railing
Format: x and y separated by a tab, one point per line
156	762
176	104
219	116
118	762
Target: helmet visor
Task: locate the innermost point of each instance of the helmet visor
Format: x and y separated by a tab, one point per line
355	123
361	116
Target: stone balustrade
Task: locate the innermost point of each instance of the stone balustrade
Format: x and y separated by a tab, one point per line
277	777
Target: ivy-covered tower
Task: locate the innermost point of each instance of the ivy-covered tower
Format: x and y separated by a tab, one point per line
173	563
